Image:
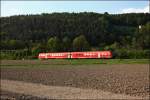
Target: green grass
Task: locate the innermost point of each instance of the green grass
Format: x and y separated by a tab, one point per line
61	62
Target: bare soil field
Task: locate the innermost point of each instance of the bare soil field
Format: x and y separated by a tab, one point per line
129	79
59	92
6	95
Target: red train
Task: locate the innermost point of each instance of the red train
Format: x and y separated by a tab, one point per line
76	55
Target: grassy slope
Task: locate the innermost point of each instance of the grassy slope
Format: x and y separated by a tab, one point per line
54	62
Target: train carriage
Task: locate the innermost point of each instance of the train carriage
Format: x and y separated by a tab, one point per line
76	55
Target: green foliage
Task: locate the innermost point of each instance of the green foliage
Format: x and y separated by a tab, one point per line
80	44
53	44
143	36
12	44
14	54
60	32
66	44
38	48
127	53
63	63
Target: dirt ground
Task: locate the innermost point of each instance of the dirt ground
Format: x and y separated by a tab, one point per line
59	92
132	79
6	95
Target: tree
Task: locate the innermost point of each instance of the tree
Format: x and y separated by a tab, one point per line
143	36
114	48
80	43
101	30
66	44
53	44
38	48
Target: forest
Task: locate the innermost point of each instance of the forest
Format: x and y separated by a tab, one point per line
126	35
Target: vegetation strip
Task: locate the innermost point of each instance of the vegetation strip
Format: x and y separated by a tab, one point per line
72	62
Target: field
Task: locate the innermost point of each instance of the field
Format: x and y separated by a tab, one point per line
49	63
128	77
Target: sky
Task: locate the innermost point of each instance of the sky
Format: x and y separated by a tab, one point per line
10	8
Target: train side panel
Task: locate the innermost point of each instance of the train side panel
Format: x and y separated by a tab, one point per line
57	55
96	54
54	55
104	54
42	55
84	55
76	55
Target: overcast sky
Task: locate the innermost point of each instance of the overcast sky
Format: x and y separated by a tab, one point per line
9	8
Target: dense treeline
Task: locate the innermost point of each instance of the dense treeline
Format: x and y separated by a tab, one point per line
86	31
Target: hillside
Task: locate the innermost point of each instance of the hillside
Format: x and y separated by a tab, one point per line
77	32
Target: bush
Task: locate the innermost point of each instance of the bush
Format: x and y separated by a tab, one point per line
132	54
